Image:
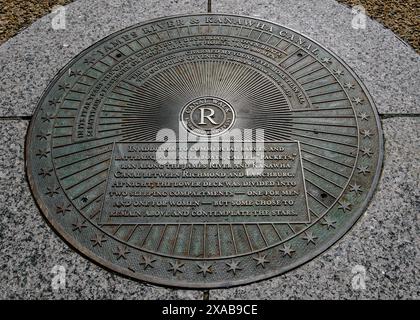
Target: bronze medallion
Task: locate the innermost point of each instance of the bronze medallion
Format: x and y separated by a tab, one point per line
128	160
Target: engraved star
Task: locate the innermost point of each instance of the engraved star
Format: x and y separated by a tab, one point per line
176	267
329	223
349	85
54	102
261	260
63	208
233	266
204	269
287	250
338	72
98	239
42	136
357	100
51	192
63	86
121	252
89	60
79	225
344	205
363	170
363	116
75	73
367	152
42	153
366	133
309	237
147	262
48	117
356	188
326	60
45	172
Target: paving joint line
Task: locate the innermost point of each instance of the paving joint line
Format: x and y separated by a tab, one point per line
206	295
398	115
381	115
15	118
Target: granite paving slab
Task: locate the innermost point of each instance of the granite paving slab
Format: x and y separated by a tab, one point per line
30	60
386	65
32	256
378	258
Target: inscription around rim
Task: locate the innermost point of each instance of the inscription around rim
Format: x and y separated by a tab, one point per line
91	144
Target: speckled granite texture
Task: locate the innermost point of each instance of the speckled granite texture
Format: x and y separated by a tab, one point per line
29	249
29	60
387	66
384	242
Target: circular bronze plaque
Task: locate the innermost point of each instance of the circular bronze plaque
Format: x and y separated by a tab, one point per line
98	141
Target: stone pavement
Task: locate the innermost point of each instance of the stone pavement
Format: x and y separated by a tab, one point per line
384	242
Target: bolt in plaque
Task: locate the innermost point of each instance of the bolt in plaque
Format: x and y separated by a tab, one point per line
204	151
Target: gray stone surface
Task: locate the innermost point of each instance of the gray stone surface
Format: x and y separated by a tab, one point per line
387	66
385	241
29	249
30	60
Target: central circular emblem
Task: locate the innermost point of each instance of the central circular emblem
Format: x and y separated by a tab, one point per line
208	116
